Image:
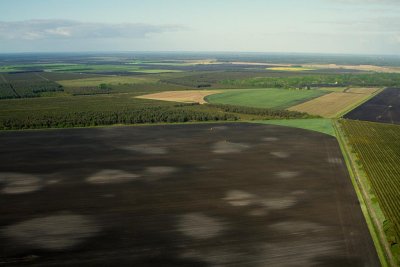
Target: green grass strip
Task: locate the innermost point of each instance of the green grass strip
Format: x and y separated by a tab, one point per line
318	125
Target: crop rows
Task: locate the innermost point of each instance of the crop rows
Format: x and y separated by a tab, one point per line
6	91
25	89
378	149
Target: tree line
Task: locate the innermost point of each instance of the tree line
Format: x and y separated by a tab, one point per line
308	81
127	116
139	115
266	113
25	89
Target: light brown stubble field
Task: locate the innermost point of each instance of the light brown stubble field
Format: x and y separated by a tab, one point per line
335	103
190	96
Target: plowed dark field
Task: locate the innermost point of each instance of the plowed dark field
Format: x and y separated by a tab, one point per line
179	195
385	107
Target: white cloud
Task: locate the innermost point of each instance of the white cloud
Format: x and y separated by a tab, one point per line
56	29
61	31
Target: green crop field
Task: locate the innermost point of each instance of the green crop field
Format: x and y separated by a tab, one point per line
156	71
86	68
318	125
68	67
377	147
96	81
293	68
264	98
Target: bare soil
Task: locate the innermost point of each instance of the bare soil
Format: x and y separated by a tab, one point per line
186	206
384	107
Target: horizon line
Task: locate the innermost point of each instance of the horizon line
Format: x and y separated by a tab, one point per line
197	52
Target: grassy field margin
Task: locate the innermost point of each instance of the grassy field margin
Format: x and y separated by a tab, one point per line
319	125
372	213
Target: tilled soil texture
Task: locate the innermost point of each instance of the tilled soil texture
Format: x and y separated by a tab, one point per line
179	195
385	107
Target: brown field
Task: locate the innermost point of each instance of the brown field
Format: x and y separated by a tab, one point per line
192	96
329	66
334	104
366	91
354	67
333	89
259	64
197	195
202	61
384	108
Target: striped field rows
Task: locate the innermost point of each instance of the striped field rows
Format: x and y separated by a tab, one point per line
377	147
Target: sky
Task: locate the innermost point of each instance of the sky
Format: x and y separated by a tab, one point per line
302	26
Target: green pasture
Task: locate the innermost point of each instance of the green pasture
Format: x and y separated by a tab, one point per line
96	81
264	98
318	125
292	68
87	68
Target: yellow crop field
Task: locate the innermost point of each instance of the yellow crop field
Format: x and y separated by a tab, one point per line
190	96
366	91
372	68
290	69
336	103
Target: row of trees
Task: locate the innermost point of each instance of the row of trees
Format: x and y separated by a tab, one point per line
306	81
6	91
264	112
132	116
153	114
91	90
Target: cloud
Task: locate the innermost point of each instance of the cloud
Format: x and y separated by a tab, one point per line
69	29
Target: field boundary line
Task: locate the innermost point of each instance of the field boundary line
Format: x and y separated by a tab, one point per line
356	105
122	125
3	78
44	78
15	91
375	227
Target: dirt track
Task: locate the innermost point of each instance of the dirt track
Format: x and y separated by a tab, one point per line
179	195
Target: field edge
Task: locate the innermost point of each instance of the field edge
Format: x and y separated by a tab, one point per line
356	105
320	125
281	105
360	183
